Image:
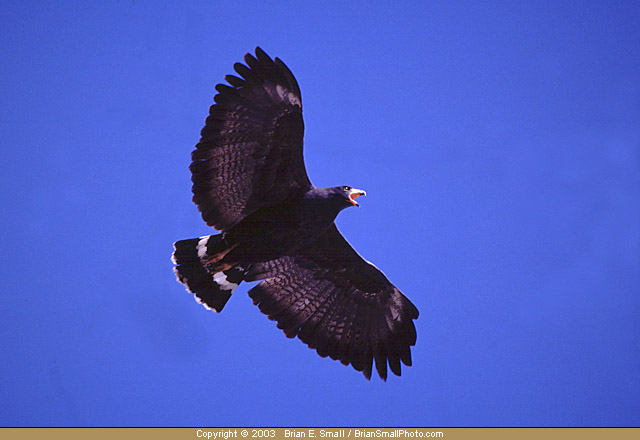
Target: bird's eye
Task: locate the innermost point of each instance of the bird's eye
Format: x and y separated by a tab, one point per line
347	188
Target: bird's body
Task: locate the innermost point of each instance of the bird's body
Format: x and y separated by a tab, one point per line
250	182
283	229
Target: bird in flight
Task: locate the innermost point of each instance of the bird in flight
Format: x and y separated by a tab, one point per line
250	183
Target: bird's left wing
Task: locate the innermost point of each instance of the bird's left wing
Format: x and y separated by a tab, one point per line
339	304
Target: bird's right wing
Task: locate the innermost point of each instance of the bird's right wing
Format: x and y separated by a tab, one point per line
339	304
250	152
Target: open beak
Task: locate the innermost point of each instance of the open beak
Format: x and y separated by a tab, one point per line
355	193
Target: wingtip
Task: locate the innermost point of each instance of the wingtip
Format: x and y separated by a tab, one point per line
248	57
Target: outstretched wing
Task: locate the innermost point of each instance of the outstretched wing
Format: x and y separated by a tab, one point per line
250	152
339	304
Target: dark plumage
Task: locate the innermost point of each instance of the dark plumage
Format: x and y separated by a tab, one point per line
250	182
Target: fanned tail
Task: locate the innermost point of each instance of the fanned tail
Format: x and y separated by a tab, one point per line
195	267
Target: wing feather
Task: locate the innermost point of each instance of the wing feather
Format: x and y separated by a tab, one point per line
250	152
338	304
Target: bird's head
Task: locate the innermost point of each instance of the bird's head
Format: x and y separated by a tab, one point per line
347	194
336	197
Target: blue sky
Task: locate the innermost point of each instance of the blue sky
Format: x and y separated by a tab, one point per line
499	144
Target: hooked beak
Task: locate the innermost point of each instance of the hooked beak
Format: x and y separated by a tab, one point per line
355	193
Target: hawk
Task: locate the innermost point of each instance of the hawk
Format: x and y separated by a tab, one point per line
250	183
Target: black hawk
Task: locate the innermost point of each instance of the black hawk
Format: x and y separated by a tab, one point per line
250	182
